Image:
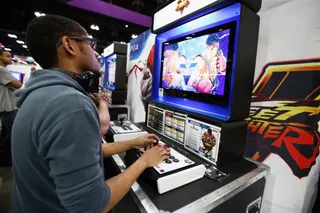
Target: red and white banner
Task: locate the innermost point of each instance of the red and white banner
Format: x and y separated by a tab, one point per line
139	72
284	127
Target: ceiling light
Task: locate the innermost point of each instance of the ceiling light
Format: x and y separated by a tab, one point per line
127	25
134	36
20	42
24	46
12	36
95	27
38	14
7	49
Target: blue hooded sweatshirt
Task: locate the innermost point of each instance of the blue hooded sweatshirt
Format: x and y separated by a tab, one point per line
56	145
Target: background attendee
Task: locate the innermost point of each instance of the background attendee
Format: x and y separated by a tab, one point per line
57	149
8	110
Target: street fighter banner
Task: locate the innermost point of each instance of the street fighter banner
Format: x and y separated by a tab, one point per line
139	72
283	127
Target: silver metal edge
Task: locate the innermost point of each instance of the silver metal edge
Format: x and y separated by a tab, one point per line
219	196
118	106
142	200
259	164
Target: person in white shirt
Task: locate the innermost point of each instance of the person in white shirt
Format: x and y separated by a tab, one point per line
8	109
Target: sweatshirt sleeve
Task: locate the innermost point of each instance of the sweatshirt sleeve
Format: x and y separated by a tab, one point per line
72	149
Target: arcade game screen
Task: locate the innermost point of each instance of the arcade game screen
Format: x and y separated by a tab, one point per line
196	64
17	75
111	74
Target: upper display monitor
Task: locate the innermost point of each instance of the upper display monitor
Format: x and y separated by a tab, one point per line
111	73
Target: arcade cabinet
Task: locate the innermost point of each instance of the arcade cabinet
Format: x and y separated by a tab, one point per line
205	56
115	81
18	75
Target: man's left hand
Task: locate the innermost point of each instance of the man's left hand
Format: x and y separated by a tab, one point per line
144	141
100	98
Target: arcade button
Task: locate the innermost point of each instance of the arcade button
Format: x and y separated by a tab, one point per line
129	128
171	157
168	161
176	160
167	146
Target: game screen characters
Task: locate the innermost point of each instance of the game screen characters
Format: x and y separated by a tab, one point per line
203	139
196	64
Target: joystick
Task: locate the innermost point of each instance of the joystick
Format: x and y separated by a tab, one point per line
174	171
155	144
121	120
122	124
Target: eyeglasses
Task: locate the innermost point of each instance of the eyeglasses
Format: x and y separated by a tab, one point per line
92	41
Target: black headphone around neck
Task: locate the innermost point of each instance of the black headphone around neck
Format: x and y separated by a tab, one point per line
88	80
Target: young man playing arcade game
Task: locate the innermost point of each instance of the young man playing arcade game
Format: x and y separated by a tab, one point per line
57	150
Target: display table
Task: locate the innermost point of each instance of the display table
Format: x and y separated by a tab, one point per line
243	188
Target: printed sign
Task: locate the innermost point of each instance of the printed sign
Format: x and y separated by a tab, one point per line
178	10
203	138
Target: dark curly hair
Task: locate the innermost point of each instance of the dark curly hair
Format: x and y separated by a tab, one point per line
2	51
43	33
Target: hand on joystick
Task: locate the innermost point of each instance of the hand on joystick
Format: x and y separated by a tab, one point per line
147	140
154	156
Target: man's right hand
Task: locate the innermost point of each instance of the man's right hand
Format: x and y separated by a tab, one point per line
154	156
121	184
